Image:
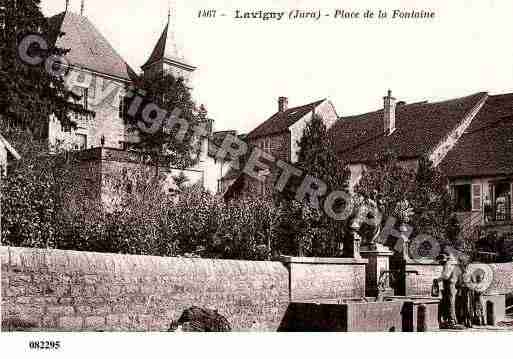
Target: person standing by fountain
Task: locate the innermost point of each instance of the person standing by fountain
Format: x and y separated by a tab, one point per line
451	276
466	295
479	289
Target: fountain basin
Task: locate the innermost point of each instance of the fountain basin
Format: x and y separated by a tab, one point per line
393	314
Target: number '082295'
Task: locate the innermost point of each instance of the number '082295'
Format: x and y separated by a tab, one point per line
45	345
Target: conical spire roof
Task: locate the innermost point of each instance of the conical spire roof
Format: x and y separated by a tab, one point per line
166	48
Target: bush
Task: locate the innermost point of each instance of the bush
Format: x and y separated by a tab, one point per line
44	207
196	224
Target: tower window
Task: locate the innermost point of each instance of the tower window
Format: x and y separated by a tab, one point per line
80	142
85	98
2	16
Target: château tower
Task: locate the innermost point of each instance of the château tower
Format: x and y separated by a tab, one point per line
166	57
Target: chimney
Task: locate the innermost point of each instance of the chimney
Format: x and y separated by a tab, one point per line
283	104
389	113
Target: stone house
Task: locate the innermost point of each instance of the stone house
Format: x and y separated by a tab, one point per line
469	138
278	136
102	77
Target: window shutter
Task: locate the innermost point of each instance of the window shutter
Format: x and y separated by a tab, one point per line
452	191
85	98
476	197
122	109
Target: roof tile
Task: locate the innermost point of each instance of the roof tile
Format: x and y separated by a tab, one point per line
486	148
419	128
281	121
88	47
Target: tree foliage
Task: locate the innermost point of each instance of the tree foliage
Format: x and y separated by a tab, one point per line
172	96
34	193
43	206
389	182
30	95
304	228
423	187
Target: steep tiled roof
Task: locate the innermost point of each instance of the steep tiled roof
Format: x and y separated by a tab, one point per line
88	47
486	148
420	127
281	121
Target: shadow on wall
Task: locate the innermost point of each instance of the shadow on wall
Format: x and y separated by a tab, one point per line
348	317
18	325
311	317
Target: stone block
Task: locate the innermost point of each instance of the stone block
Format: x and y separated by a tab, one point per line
102	290
30	310
15	291
60	310
20	279
138	308
59	290
66	301
79	290
42	300
101	310
49	322
131	289
84	309
160	324
70	323
120	308
124	321
90	279
112	320
21	322
115	290
41	278
24	300
94	323
96	300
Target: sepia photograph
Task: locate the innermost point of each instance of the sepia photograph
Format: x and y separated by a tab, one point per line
255	166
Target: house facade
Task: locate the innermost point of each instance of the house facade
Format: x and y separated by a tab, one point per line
277	136
480	167
470	139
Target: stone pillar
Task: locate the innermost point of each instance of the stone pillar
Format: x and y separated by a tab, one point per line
377	270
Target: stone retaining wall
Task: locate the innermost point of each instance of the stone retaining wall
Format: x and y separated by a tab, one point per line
49	290
63	290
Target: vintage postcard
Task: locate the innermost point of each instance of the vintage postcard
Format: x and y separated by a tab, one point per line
264	166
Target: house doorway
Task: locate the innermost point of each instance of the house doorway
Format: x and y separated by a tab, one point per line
463	197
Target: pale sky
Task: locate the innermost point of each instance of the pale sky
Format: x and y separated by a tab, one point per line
243	66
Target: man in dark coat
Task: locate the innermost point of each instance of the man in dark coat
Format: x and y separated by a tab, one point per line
197	319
